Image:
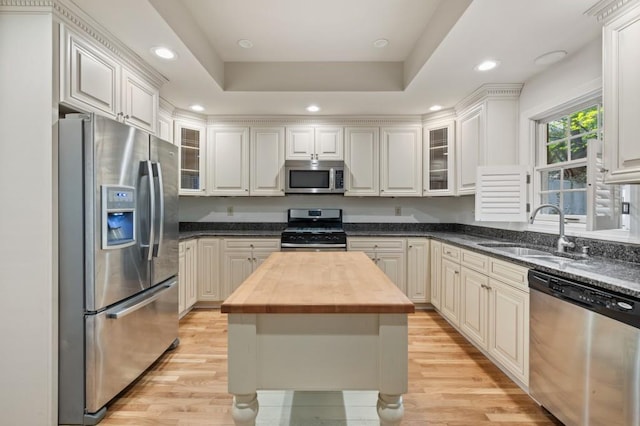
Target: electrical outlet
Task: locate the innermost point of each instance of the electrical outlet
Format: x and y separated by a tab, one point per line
398	211
230	211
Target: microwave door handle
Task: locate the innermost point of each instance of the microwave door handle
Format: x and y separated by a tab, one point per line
332	180
156	246
152	208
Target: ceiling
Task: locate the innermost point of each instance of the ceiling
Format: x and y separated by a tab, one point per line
321	52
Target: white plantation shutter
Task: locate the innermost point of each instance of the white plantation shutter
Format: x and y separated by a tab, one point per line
603	200
501	194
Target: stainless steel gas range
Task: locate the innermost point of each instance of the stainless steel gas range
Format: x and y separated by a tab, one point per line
314	230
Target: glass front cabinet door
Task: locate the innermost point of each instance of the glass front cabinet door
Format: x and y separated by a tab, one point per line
438	159
190	138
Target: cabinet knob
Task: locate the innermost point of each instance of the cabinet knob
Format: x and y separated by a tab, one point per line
312	156
254	259
127	116
249	259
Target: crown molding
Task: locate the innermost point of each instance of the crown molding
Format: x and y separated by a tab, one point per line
490	91
605	10
444	115
166	106
36	6
295	120
78	20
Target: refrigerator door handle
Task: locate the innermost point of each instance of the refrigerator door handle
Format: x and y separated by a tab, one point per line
152	208
156	246
123	312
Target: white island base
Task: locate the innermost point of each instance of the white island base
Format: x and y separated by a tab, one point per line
318	352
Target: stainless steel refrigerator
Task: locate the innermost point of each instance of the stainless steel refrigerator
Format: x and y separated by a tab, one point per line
118	260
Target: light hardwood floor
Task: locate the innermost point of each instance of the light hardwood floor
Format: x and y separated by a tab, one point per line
450	383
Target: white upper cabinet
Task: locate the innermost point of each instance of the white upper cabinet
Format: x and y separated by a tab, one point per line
362	161
267	161
228	161
621	88
438	152
486	132
470	136
401	162
93	80
315	143
165	126
189	136
140	101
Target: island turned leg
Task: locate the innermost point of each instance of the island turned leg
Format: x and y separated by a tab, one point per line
245	409
390	409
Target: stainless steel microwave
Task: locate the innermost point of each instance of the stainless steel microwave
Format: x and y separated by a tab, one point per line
314	177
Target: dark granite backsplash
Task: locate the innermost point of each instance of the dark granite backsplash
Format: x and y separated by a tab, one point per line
400	227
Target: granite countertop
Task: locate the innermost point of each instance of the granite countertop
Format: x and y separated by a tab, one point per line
603	272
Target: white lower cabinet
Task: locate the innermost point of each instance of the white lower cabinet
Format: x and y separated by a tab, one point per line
450	298
487	300
187	276
418	288
240	257
209	270
388	253
474	300
436	272
509	328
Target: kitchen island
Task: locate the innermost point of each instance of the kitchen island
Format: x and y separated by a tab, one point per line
318	321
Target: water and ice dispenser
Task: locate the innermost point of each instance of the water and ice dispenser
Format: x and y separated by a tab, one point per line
118	216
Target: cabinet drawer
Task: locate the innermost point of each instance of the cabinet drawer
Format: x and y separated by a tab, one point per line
451	252
243	243
366	244
509	273
473	260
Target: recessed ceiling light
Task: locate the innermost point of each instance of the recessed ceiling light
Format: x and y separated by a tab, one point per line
197	108
487	65
313	108
435	108
245	44
381	42
550	57
163	52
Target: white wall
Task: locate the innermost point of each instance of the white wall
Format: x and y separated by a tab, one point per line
355	209
28	287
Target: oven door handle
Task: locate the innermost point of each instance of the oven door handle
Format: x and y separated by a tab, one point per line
291	245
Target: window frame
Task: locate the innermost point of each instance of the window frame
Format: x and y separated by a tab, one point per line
541	166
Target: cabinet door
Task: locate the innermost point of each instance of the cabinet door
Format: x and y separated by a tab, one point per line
140	102
469	138
418	270
394	266
509	328
401	162
191	296
228	161
450	300
89	78
164	129
621	85
190	138
259	256
300	143
438	160
209	269
237	266
182	278
436	273
329	143
362	161
267	161
474	306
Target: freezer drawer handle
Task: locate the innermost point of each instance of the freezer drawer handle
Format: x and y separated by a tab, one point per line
130	309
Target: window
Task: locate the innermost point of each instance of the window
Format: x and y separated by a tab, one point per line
569	169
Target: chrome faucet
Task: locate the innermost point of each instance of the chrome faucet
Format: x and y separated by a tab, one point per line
563	243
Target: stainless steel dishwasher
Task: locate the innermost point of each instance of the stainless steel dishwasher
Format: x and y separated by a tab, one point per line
584	352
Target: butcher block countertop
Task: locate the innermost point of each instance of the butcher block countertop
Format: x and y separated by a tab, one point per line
317	283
